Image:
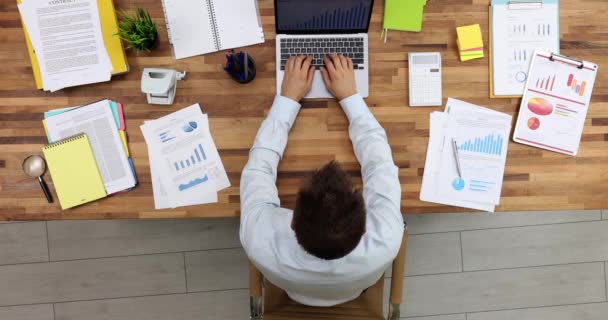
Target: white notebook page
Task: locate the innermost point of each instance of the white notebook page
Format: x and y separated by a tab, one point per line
237	23
189	27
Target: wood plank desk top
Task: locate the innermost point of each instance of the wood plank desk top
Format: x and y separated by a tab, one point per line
534	179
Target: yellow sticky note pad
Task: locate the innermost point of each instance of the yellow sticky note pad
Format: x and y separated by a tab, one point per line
469	37
466	58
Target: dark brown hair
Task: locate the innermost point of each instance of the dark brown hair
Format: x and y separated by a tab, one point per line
329	216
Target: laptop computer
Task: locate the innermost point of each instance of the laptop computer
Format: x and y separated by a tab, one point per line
318	28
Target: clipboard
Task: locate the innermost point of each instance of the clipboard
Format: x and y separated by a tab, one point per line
555	103
515	5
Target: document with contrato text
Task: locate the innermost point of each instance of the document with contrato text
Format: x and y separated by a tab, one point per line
67	39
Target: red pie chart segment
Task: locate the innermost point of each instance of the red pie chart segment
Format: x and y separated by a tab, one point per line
540	106
533	123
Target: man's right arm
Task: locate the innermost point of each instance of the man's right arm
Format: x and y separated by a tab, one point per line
381	186
259	194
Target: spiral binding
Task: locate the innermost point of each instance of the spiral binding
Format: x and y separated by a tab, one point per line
216	37
64	141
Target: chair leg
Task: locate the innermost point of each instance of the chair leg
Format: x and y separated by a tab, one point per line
256	298
397	279
256	308
394	311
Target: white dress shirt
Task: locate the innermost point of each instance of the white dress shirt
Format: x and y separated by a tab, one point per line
266	232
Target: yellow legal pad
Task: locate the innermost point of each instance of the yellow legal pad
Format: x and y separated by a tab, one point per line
74	171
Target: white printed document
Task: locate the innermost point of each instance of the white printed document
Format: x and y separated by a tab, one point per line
185	165
481	136
519	28
554	106
97	121
68	42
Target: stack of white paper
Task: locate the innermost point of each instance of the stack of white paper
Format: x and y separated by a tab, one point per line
98	122
185	166
68	42
481	136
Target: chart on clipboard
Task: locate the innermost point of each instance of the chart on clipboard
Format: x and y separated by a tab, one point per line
517	29
555	102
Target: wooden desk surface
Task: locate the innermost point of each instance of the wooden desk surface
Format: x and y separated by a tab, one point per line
534	179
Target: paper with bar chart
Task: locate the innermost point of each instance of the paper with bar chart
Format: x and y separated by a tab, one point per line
555	102
185	165
517	30
481	136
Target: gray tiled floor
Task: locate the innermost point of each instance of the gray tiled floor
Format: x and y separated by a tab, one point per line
504	266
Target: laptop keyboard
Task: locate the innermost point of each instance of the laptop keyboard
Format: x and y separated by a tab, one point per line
318	48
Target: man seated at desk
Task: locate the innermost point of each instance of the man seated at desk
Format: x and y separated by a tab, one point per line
338	241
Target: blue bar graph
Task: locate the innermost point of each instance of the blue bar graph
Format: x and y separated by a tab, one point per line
198	156
352	18
490	144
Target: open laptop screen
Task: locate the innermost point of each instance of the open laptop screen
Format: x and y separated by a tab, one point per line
322	16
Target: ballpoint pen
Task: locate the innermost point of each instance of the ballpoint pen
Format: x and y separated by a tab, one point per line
455	148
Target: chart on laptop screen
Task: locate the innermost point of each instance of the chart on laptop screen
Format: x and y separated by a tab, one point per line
322	14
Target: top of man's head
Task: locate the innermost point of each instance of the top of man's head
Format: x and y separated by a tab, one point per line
329	216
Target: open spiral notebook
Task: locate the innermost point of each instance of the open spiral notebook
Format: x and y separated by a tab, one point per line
204	26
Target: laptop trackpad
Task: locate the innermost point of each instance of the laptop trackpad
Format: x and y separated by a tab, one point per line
318	89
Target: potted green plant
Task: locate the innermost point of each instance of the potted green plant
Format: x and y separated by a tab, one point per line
139	31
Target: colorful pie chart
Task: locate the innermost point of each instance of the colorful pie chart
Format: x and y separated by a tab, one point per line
533	123
540	106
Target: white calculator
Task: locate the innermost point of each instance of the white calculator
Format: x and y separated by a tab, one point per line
425	79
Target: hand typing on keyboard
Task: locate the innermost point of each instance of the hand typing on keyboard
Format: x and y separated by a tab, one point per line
318	48
298	77
339	76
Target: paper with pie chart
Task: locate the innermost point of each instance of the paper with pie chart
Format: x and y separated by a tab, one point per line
481	136
185	165
517	29
555	103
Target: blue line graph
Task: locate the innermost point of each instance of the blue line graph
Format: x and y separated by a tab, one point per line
193	183
490	144
354	17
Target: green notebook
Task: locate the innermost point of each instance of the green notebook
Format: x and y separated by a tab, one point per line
404	15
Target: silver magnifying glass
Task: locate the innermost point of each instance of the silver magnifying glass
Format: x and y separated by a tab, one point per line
34	167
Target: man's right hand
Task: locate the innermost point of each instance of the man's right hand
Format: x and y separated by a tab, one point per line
339	76
298	77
